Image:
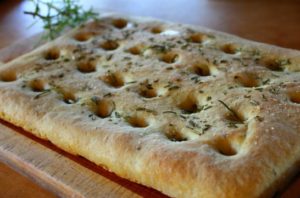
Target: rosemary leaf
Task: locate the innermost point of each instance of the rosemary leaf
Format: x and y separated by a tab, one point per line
229	109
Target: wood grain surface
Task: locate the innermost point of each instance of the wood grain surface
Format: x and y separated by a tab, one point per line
63	174
273	22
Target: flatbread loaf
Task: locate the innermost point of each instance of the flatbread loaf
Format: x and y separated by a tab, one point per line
189	111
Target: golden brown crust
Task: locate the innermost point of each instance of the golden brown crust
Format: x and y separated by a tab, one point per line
186	110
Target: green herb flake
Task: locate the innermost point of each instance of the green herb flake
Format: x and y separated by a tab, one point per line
92	116
131	82
283	62
266	81
206	107
174	87
46	91
274	90
206	127
95	99
259	89
183	116
232	125
160	48
264	97
256	54
172	112
146	110
259	118
254	102
117	114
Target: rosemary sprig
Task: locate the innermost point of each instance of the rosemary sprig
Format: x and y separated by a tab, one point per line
59	15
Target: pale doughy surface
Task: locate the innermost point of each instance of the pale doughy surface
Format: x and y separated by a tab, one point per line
186	110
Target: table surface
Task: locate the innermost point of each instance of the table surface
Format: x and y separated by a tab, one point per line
269	21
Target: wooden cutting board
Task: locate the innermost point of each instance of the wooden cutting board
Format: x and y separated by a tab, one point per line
64	174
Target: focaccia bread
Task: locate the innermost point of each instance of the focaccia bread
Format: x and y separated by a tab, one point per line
186	110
